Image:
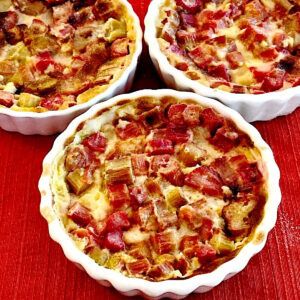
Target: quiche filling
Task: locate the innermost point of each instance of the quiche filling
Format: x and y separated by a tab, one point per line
55	54
158	188
238	46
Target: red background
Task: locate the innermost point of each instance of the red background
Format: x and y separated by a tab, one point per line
32	266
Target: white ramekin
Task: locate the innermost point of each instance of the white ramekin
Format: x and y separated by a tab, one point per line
169	288
51	122
252	107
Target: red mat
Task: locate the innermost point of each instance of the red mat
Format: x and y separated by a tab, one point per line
32	266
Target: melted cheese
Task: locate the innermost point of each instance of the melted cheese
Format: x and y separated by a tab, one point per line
269	4
95	199
10	87
135	235
27	20
5	5
95	124
242	76
231	33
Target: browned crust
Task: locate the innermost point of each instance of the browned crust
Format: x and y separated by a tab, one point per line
48	214
259	238
46	170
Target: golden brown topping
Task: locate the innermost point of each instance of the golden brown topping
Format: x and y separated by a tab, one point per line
236	215
191	155
32	8
119	171
78	181
175	199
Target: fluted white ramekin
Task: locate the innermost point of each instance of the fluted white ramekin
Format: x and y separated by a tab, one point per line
168	288
252	107
51	122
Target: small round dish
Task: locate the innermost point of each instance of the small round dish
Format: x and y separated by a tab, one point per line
167	288
252	107
50	122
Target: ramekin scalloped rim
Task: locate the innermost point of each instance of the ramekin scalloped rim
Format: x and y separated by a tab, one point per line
169	288
252	107
51	122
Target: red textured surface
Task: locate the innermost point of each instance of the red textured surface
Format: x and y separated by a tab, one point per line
32	266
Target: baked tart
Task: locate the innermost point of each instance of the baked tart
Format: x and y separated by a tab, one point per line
158	187
235	46
55	54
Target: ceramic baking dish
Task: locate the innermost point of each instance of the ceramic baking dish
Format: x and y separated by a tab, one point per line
51	122
252	107
167	288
